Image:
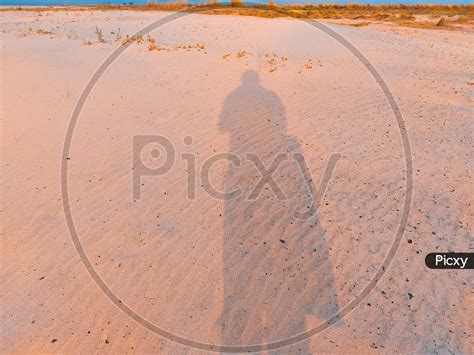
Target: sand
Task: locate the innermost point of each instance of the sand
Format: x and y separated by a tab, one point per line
233	272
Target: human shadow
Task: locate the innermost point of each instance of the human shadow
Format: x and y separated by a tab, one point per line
277	272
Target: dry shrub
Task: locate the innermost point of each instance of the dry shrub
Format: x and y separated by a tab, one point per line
241	54
151	39
126	40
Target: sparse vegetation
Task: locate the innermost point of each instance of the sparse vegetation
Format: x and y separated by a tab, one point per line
308	65
271	61
150	39
40	31
127	40
241	54
100	37
423	16
153	47
359	24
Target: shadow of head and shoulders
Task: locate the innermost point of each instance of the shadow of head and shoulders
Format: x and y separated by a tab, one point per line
252	112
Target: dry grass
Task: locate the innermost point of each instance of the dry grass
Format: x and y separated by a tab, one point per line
241	54
40	31
153	46
100	36
359	24
442	16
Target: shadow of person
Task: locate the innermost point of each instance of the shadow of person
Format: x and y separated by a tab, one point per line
277	272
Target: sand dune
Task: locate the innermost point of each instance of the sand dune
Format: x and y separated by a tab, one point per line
238	271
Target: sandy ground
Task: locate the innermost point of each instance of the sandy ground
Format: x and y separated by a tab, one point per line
233	272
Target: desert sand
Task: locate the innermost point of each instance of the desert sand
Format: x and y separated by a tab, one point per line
233	272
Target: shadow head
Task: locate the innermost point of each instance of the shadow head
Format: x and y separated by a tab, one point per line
250	77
